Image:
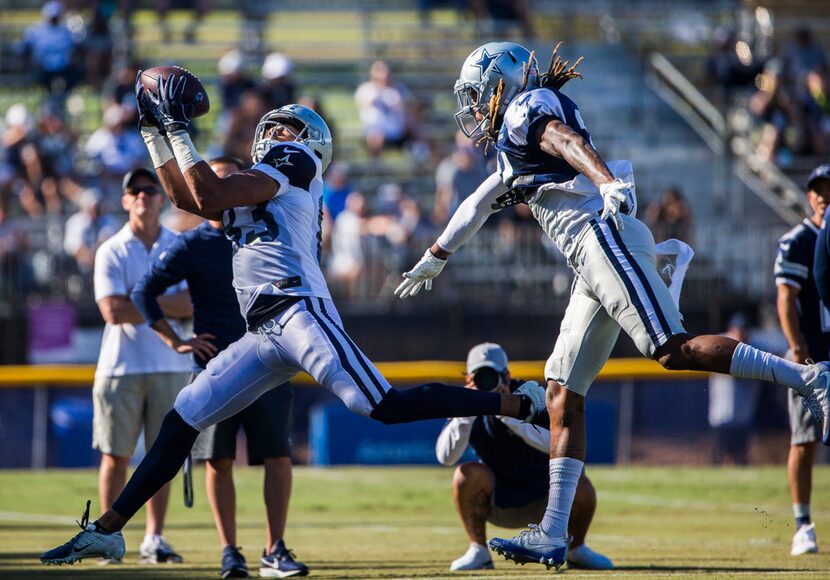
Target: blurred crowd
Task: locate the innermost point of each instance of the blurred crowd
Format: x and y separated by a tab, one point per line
60	186
786	92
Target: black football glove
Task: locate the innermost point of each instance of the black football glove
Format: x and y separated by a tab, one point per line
173	112
148	114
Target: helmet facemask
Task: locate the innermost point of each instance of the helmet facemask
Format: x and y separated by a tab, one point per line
262	139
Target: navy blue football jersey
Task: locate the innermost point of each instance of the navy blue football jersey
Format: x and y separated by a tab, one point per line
794	267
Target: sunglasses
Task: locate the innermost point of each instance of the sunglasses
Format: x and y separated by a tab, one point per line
147	190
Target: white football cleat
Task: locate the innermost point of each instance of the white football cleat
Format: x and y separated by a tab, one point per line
817	398
477	557
804	541
88	543
584	557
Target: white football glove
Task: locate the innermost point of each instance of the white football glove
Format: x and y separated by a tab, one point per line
427	268
613	195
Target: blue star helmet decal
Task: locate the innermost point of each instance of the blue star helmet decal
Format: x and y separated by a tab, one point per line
483	63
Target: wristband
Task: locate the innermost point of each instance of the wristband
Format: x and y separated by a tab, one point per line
183	149
157	146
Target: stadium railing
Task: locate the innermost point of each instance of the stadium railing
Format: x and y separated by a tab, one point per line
624	371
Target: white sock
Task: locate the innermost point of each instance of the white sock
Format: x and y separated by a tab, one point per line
151	538
749	362
801	510
564	477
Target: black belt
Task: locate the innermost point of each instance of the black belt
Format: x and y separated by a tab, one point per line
291	282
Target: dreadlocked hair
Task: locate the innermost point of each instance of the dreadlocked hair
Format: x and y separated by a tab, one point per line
495	103
559	72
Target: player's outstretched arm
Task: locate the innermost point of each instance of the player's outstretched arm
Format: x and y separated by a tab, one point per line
463	225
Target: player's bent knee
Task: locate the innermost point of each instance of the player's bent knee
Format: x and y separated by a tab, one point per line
471	475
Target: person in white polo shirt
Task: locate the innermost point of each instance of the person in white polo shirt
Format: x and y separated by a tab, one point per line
138	376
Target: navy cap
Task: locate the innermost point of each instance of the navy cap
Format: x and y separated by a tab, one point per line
820	172
130	177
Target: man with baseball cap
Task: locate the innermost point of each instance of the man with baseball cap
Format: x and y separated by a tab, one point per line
805	322
508	485
137	377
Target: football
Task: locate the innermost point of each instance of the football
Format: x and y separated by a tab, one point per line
193	86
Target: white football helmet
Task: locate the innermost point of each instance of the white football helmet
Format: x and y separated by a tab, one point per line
479	80
314	133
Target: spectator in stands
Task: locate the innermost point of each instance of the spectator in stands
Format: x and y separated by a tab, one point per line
233	82
87	229
457	176
726	68
347	244
243	122
97	44
20	159
383	109
506	486
732	405
336	188
805	65
669	216
137	377
52	50
801	57
493	15
774	106
802	315
56	146
119	88
197	8
398	219
117	147
277	87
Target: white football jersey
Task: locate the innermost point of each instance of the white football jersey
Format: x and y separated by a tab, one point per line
277	243
563	200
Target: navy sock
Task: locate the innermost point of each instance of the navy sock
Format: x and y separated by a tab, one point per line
163	460
802	521
435	401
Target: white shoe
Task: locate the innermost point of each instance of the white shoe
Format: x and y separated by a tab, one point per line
584	557
477	557
804	541
817	398
156	550
88	543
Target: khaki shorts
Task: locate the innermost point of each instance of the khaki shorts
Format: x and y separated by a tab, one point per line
803	426
124	405
519	517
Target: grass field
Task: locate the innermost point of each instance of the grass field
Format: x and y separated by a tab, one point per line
400	523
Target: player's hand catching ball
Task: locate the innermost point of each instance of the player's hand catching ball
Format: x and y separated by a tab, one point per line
174	112
614	194
147	111
427	268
